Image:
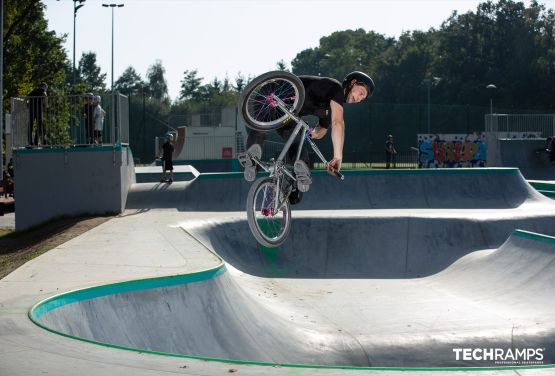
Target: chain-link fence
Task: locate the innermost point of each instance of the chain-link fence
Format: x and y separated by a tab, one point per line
72	120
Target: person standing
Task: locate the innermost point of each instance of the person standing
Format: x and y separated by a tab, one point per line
167	159
389	152
88	117
37	104
99	115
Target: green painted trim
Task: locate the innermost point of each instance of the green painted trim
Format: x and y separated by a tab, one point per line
92	149
288	365
547	193
535	236
542	185
57	301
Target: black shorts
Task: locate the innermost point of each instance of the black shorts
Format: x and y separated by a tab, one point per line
167	165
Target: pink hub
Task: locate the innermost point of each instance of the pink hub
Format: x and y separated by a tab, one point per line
268	212
271	101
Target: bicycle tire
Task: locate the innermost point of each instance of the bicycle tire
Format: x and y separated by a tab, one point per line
257	106
269	229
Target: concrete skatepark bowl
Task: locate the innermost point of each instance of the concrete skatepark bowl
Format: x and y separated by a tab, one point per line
395	269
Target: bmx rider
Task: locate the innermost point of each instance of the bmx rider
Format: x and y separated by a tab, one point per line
324	99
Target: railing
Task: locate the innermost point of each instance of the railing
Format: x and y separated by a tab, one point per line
65	121
525	126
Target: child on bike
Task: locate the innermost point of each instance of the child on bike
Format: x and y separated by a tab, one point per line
324	98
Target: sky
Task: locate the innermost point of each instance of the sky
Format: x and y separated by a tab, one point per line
221	38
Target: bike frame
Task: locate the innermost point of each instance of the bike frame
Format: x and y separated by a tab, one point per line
301	124
277	169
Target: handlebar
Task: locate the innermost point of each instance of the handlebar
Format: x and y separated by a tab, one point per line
335	172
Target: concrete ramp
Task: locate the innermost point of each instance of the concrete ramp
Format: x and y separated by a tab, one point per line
381	246
386	269
494	188
499	298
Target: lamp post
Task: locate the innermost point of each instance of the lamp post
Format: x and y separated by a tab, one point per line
1	88
428	82
491	87
75	9
112	6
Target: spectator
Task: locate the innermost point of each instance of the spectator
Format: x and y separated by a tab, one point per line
167	159
10	168
99	115
389	152
88	117
550	148
37	104
8	178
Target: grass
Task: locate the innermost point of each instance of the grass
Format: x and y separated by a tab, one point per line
17	248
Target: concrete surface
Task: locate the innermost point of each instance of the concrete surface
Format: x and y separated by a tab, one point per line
392	283
61	182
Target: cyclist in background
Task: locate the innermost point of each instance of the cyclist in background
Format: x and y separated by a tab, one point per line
324	98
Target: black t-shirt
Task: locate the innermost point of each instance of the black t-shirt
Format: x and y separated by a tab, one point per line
167	151
319	91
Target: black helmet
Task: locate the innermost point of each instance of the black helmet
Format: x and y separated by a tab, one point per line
361	79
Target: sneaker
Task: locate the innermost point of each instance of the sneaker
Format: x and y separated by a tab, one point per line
246	160
295	197
302	173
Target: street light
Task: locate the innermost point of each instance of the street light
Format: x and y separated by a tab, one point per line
75	9
429	82
112	6
491	87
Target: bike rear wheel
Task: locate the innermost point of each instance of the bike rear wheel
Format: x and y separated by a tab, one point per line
269	226
259	106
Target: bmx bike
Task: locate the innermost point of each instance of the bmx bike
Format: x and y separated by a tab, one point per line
269	102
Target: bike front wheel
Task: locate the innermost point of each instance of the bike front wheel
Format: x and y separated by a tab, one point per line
269	223
259	105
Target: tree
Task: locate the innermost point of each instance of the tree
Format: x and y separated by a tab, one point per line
240	82
282	65
156	82
130	82
32	53
89	73
190	86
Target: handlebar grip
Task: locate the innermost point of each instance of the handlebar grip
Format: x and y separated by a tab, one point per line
335	172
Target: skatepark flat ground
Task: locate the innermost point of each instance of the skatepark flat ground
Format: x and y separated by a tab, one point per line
424	278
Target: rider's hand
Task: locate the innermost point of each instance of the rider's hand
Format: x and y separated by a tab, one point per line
335	163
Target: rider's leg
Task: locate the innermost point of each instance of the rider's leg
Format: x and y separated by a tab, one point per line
255	140
302	171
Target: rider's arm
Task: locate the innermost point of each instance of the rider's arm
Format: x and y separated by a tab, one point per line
337	133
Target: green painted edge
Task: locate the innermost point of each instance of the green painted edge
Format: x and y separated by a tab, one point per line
57	301
547	193
60	300
92	149
534	236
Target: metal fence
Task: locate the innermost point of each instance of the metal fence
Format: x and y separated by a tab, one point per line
521	126
72	120
355	159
